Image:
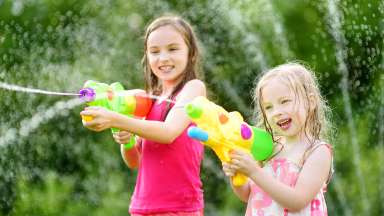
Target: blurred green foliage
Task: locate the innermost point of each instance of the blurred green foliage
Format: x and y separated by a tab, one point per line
57	167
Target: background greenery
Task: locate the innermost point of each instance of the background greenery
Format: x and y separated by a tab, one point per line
53	166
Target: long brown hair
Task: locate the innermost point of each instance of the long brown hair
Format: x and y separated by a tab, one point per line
152	84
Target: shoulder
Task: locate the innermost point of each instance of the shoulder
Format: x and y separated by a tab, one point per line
195	87
319	154
195	84
321	149
319	161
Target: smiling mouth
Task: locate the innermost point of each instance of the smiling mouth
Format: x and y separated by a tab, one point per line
285	123
166	68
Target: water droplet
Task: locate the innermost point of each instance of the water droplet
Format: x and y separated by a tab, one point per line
17	7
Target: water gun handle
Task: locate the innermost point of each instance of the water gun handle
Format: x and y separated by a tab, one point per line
238	179
132	139
223	153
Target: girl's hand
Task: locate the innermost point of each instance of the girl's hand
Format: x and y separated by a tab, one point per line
122	137
228	169
101	118
243	162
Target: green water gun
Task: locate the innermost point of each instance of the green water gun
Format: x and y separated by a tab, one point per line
114	97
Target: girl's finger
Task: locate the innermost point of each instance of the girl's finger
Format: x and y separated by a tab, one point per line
88	113
98	127
122	133
125	136
235	155
117	140
226	167
90	124
235	166
238	153
93	108
235	161
125	139
228	172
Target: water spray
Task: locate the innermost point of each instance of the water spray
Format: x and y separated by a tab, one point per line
31	90
133	103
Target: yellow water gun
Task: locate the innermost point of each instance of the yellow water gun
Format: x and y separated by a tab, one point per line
223	131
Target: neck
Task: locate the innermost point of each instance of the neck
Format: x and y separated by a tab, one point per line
166	91
297	139
169	86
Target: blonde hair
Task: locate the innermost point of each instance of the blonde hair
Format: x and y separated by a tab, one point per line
303	82
152	83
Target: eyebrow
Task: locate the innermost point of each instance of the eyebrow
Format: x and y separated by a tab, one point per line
280	98
168	45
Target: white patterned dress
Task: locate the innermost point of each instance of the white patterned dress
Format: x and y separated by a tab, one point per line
287	172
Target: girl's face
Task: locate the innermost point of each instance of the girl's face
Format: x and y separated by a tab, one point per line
284	111
167	54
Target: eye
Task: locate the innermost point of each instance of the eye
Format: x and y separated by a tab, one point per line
268	107
173	49
285	101
154	51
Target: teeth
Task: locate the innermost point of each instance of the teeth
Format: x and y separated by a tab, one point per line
165	67
283	121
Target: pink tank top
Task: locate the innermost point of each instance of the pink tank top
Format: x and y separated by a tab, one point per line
168	177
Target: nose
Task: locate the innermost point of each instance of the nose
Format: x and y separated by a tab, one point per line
164	56
276	112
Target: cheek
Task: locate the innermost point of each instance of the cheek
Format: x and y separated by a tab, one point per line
291	107
301	115
151	62
183	58
269	119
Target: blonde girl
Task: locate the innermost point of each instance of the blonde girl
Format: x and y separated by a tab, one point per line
168	161
293	181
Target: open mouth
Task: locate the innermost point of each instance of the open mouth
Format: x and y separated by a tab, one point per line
166	68
284	124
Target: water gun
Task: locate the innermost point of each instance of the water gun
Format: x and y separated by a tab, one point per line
223	131
115	98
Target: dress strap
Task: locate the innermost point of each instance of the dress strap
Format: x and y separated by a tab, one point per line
169	105
309	151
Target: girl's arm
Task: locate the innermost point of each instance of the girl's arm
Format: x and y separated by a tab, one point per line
311	178
242	192
162	132
131	157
